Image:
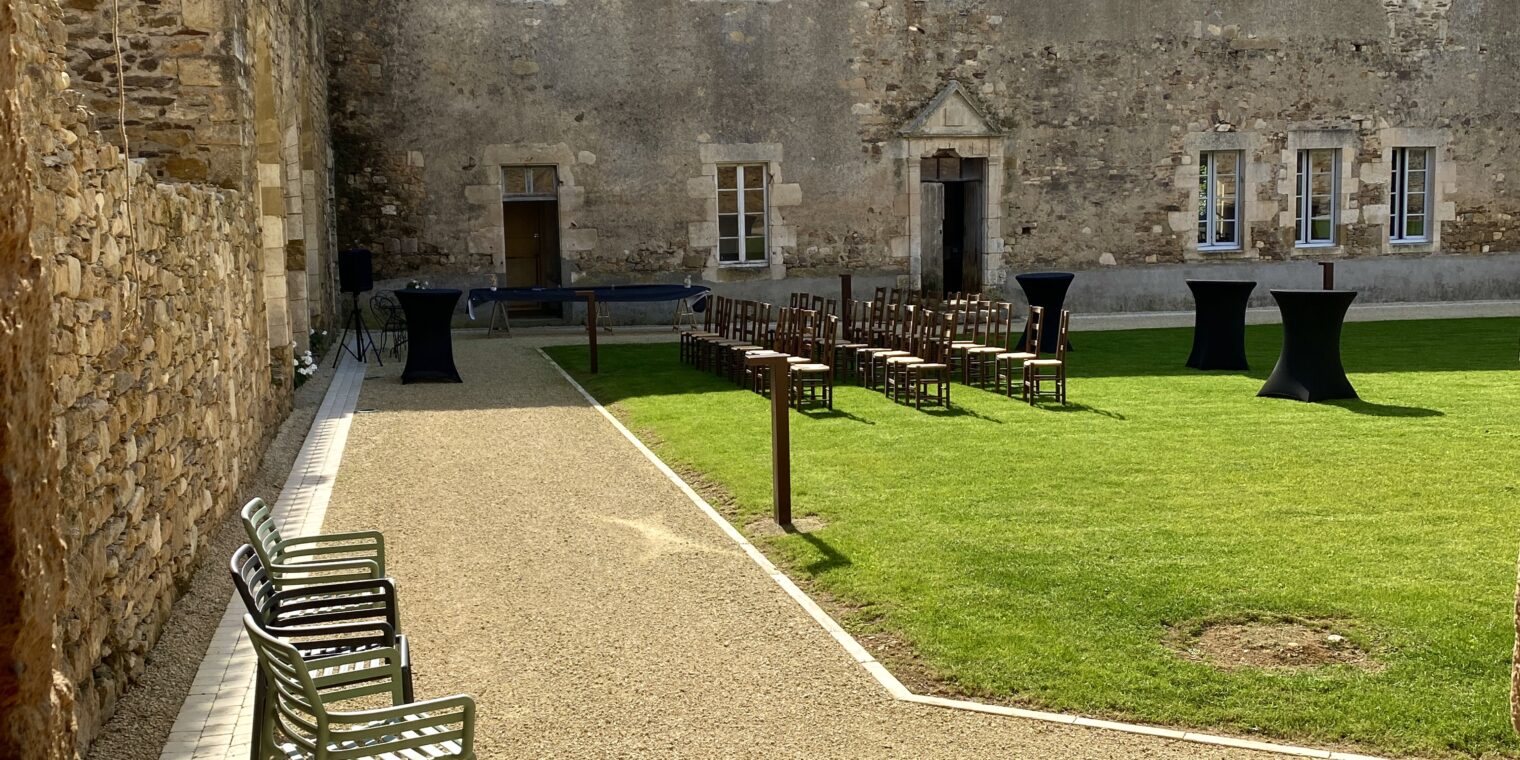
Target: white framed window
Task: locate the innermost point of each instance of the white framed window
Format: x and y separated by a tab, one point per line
743	222
1409	217
1319	182
1219	200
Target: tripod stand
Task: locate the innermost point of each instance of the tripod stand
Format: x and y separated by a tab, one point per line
363	341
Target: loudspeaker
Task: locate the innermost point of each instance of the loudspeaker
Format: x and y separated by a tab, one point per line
356	271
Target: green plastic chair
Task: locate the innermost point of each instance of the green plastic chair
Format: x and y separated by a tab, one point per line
308	560
302	726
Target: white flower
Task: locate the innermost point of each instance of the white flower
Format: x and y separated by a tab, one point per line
296	363
324	332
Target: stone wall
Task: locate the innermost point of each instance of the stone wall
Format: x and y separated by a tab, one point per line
34	706
1096	119
157	384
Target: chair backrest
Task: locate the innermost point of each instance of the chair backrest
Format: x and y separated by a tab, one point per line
299	707
1001	334
385	308
707	313
941	337
806	333
877	324
253	584
263	532
817	304
828	337
831	306
1061	335
982	322
1034	330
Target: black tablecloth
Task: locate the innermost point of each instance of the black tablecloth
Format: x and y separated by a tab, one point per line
1310	366
429	344
1219	329
1047	289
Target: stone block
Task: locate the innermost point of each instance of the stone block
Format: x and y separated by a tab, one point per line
702	187
200	72
582	239
740	153
702	234
784	195
482	195
487	241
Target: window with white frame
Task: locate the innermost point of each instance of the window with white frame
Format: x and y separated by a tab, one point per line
1319	182
1409	217
1219	200
742	217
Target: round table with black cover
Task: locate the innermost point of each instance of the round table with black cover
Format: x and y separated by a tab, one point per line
1048	290
1309	368
429	343
1219	327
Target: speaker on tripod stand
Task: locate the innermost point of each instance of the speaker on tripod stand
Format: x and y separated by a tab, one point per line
356	275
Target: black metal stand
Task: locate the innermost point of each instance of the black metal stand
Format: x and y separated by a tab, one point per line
363	341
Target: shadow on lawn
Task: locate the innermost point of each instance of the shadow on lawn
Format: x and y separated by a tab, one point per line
1370	409
821	413
832	559
1070	407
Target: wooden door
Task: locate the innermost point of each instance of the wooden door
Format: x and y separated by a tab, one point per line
971	247
532	245
931	256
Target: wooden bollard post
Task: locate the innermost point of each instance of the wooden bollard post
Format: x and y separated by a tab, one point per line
590	296
781	438
844	304
1329	272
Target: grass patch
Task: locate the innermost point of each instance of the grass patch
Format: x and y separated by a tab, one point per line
1040	556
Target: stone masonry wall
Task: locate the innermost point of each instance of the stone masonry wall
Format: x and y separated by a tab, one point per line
161	384
34	705
1102	113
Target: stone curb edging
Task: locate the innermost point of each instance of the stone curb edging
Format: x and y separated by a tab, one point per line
879	671
215	721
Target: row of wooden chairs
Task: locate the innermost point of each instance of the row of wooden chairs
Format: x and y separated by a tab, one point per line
737	329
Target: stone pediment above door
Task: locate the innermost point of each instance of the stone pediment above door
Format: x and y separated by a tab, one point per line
952	113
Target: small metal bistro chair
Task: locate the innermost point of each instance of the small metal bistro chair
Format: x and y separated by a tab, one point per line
392	321
303	724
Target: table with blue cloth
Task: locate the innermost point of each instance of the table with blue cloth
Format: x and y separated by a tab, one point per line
1219	324
1309	368
694	297
1047	290
430	344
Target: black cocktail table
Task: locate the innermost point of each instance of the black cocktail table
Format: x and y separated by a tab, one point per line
1309	368
1219	328
429	343
1048	290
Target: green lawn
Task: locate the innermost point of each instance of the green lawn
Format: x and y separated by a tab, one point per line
1040	555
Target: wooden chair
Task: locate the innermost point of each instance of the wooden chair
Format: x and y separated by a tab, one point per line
319	621
980	362
1039	371
689	338
898	344
935	369
844	350
815	380
716	349
308	560
895	364
979	321
722	324
302	723
883	338
1007	363
755	320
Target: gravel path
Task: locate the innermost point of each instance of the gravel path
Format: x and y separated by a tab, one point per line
549	569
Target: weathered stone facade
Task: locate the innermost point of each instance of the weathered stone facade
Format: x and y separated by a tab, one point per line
1099	116
144	372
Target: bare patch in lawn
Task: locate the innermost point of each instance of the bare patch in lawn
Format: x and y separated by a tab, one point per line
1280	644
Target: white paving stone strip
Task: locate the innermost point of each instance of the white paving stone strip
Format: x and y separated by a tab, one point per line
879	671
216	720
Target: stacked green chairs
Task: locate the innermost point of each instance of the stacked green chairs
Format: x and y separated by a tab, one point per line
320	621
303	560
303	696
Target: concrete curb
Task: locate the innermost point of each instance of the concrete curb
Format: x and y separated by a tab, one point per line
879	671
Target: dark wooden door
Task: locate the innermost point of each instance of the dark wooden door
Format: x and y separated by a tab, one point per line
532	241
971	236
